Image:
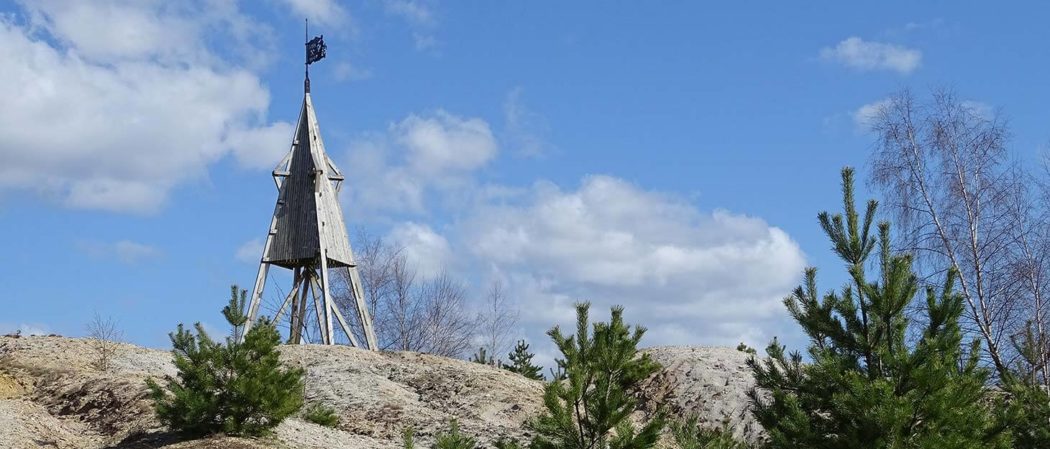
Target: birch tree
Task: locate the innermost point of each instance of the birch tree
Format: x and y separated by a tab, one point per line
963	204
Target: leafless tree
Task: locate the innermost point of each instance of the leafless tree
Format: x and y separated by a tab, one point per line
104	338
377	259
409	314
496	321
960	203
448	327
401	323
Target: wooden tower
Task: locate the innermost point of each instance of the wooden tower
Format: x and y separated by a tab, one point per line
307	234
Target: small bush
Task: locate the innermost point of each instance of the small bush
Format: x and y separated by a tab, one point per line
237	388
454	440
688	435
320	414
451	439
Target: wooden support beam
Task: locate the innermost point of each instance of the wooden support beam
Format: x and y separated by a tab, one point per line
342	323
291	296
325	335
354	277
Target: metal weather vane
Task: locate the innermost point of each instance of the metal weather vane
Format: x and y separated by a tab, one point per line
316	50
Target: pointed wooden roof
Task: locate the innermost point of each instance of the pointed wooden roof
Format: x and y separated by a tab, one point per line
308	216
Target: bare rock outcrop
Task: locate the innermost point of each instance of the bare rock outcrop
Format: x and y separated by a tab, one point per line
710	383
51	396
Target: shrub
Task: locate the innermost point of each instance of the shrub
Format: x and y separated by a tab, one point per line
521	362
320	414
590	407
237	388
451	439
688	435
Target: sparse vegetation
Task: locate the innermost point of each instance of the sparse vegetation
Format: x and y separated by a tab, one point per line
453	439
320	414
237	388
521	362
450	439
688	434
590	407
104	337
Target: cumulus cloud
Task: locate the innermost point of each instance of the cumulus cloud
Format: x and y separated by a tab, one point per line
427	251
859	54
110	104
124	251
397	169
690	276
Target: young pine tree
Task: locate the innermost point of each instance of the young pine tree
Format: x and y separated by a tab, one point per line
1028	401
867	385
589	408
688	434
237	388
521	362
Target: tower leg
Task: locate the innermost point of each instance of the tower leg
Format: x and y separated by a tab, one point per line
326	336
326	298
264	268
290	298
299	318
257	292
362	310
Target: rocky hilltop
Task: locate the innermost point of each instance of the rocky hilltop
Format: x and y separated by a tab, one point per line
51	396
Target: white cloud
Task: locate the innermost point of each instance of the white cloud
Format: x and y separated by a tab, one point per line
323	12
866	115
125	251
110	104
427	251
395	171
420	18
445	143
250	251
692	277
859	54
526	130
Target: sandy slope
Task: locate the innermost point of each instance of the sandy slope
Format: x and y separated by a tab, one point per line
51	397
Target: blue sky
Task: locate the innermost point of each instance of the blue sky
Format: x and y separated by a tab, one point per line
671	159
